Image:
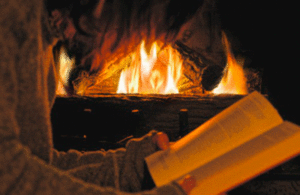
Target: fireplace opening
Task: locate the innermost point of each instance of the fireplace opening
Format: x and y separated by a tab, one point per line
202	56
162	69
168	87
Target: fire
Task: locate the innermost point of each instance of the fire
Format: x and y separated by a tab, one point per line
234	80
156	72
65	66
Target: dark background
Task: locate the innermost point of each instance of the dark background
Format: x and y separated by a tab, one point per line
266	32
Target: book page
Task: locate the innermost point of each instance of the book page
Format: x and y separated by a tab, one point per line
244	120
249	160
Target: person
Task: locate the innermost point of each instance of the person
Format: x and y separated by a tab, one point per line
28	162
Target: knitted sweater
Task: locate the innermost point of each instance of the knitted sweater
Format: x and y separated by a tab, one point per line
28	162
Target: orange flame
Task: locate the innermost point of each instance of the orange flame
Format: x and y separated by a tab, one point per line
155	73
65	66
234	80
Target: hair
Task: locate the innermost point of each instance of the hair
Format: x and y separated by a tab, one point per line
118	26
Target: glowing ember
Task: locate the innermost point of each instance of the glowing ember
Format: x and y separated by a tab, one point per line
155	73
234	80
65	66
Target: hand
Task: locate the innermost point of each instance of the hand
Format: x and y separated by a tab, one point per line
162	141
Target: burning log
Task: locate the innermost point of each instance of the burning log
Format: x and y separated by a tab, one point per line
211	77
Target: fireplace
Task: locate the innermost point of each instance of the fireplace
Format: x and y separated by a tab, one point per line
102	114
172	88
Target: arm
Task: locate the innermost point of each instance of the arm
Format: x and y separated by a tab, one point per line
23	173
123	168
75	159
129	171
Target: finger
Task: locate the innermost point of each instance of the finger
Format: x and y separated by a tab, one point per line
161	140
188	183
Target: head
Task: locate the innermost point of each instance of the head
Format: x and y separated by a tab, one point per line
111	29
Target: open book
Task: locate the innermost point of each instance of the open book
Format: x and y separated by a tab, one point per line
241	142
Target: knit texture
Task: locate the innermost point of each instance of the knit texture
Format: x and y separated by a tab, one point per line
28	162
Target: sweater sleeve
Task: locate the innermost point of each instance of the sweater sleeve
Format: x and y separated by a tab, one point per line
122	169
74	159
23	173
